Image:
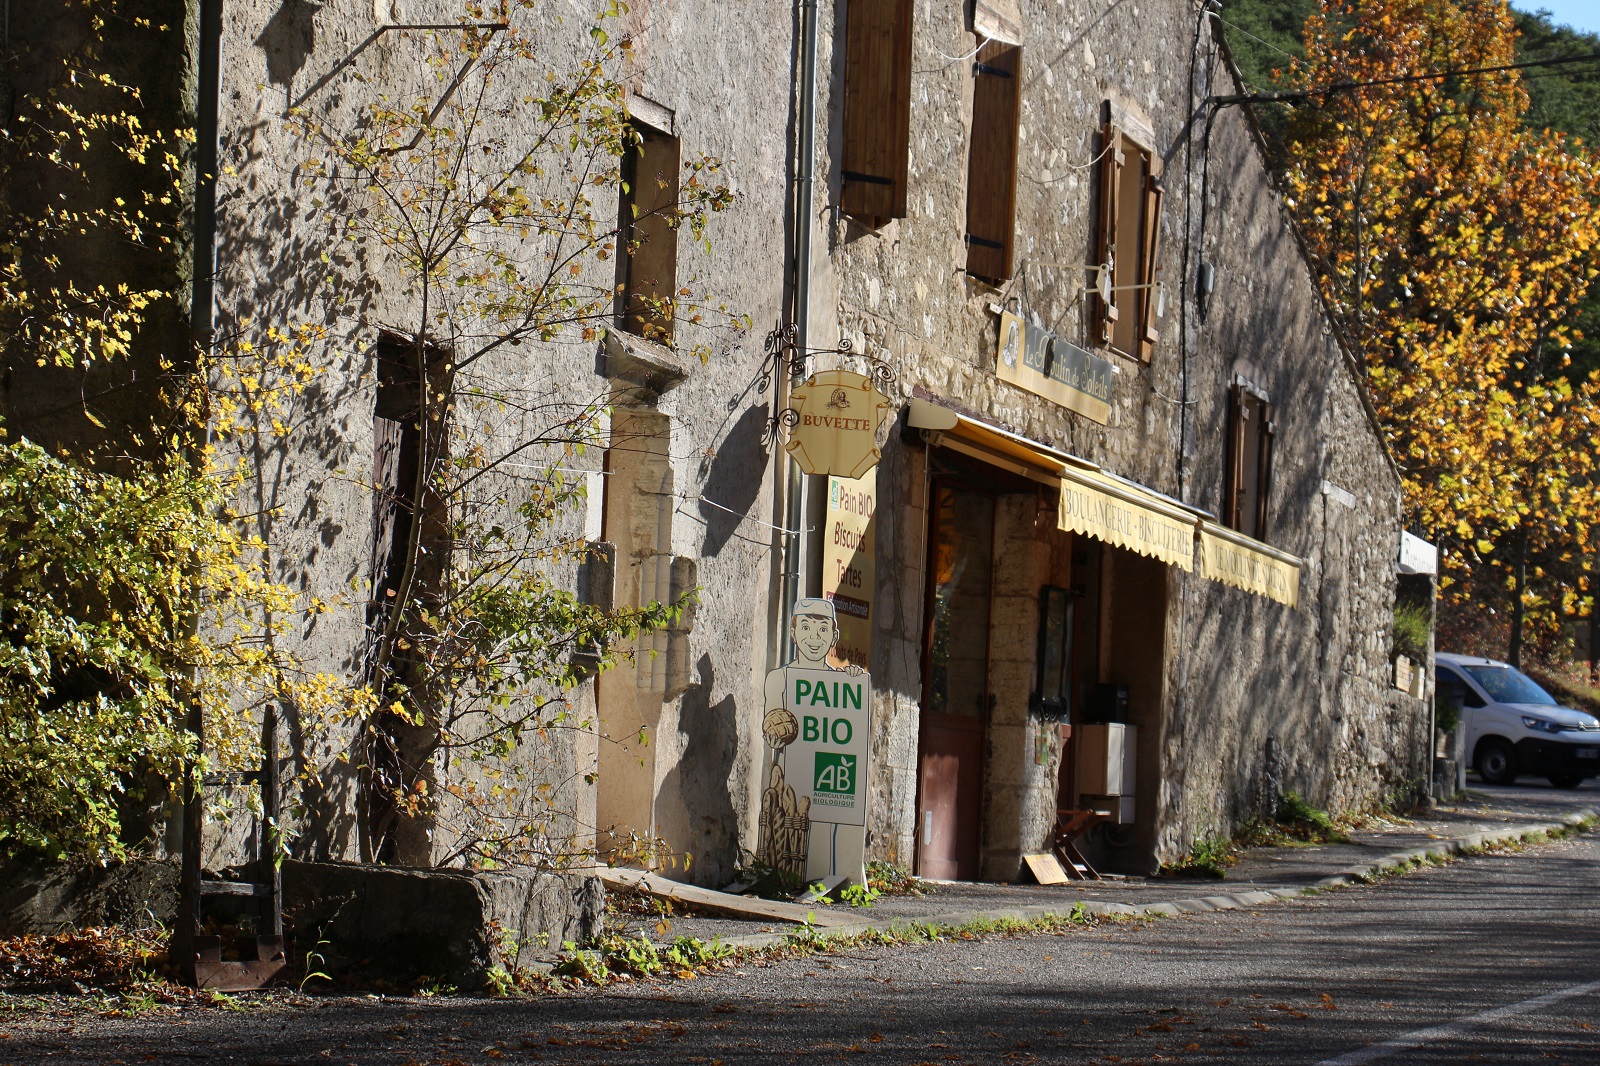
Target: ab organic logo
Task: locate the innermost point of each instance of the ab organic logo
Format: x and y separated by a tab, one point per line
835	774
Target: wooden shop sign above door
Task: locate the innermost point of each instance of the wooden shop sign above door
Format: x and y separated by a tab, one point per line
834	423
1053	367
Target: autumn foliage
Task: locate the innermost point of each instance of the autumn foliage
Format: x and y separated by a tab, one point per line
1452	242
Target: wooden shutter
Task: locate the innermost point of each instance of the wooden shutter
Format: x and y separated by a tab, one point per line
992	167
1149	331
1269	431
1103	313
877	109
1231	480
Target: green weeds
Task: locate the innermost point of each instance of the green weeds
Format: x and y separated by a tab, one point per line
616	957
1208	858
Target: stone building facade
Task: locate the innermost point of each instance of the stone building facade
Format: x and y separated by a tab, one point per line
991	129
1235	698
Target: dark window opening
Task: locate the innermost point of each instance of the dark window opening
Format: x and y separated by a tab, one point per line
1126	304
647	225
1248	487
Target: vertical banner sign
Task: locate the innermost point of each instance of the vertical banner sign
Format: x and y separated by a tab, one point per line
847	569
814	800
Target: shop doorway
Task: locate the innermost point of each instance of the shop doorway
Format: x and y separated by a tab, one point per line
955	681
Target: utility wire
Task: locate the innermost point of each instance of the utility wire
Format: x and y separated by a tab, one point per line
1405	79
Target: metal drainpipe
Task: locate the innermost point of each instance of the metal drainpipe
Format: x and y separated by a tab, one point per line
804	192
207	104
202	320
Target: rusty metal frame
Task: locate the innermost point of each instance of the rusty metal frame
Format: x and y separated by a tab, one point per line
199	955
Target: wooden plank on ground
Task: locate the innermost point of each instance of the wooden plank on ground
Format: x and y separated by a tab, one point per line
713	902
1046	868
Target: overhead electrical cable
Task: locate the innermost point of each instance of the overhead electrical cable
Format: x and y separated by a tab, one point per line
1302	95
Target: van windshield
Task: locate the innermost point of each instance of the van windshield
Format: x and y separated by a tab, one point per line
1507	685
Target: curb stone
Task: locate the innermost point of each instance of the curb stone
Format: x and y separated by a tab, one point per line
1353	875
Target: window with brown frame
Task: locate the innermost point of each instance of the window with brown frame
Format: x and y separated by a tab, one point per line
876	123
1247	487
646	223
992	166
1128	239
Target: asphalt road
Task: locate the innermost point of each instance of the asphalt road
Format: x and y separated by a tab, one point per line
1443	966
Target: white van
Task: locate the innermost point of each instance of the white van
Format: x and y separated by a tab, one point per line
1514	727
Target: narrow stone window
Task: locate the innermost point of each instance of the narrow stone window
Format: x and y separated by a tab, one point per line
992	166
1126	302
876	120
647	222
1248	485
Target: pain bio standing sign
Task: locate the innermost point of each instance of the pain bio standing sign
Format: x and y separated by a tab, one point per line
829	753
817	723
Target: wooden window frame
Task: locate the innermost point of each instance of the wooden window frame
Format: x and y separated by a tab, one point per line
647	234
992	161
1134	278
1249	412
876	111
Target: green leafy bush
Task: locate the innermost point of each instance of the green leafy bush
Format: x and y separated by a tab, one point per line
1446	710
892	879
1300	819
1413	626
124	602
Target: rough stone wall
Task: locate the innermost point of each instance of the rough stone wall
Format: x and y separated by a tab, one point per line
902	525
273	237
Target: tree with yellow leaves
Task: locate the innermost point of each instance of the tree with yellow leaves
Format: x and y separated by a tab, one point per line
1452	244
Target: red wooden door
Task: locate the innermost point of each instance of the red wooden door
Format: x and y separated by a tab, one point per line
955	685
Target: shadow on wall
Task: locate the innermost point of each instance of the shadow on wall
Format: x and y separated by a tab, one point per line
701	778
734	480
288	40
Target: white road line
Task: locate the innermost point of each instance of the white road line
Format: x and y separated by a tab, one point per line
1373	1052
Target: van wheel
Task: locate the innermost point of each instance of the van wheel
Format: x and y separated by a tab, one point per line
1566	780
1497	762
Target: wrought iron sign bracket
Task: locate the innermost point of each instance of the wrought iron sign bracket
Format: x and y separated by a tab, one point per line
782	352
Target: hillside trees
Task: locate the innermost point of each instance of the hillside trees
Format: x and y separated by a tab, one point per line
1454	243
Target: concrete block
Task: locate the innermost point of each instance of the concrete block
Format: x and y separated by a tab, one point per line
451	926
41	897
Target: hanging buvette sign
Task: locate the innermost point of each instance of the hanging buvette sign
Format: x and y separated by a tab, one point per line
834	425
814	797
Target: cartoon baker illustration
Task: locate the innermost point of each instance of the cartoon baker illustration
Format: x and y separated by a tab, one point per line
814	627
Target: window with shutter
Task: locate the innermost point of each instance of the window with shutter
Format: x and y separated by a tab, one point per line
1127	239
876	122
1248	475
992	165
647	219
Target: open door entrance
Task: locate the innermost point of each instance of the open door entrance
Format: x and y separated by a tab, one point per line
955	682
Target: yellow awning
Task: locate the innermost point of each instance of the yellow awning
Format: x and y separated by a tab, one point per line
1092	502
1235	559
1121	513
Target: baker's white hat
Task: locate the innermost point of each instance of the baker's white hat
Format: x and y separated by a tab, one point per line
814	605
